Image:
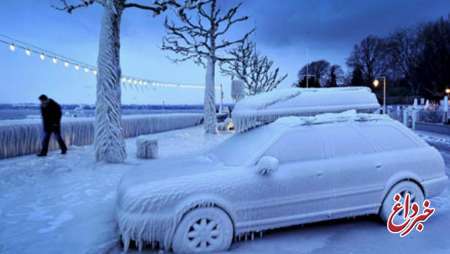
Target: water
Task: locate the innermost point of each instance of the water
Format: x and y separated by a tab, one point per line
10	114
7	114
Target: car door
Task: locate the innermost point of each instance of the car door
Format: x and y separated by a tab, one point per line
300	188
356	170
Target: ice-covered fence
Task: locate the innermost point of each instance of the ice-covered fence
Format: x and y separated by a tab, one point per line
21	137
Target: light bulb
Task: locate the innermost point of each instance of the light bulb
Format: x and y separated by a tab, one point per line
77	67
28	52
86	70
94	72
42	57
54	60
66	64
12	47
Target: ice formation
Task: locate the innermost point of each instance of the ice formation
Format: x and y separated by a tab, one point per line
267	107
152	200
210	101
147	148
267	165
108	140
20	137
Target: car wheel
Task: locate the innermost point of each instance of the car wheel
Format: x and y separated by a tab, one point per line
203	230
402	188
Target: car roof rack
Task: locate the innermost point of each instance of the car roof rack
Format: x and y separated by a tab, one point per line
265	108
330	118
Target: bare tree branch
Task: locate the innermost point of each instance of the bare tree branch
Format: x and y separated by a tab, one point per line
65	6
254	70
198	29
157	7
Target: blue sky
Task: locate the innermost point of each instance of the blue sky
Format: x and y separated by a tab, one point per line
291	32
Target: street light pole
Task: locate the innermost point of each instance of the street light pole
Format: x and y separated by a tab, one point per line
384	95
447	95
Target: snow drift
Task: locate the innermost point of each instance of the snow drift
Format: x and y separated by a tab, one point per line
21	137
267	107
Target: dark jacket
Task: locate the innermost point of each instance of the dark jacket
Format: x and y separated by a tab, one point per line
51	116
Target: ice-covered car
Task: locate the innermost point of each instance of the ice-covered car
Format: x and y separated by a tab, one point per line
296	170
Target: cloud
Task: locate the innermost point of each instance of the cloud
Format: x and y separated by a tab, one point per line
337	23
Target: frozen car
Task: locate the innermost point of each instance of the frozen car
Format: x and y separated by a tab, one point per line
293	171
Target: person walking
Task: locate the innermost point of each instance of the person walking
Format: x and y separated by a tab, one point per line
51	120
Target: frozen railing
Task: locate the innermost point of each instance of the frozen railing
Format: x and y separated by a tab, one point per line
21	137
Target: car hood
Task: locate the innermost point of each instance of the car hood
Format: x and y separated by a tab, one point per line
168	169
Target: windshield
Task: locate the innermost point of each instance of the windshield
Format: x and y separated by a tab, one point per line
244	148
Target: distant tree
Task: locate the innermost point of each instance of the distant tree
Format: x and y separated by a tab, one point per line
403	56
433	68
416	60
357	76
256	71
314	74
336	76
199	33
369	56
109	142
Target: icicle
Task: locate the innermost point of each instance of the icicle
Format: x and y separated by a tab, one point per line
140	245
260	234
126	243
253	236
24	137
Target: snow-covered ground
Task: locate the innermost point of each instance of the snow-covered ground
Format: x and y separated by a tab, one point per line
65	204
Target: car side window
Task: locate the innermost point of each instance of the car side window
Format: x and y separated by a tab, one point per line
386	137
344	140
300	144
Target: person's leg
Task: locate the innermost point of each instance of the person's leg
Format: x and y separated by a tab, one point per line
61	143
45	142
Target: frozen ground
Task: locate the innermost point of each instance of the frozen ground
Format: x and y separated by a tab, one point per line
64	204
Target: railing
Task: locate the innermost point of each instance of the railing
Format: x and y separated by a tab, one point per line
21	137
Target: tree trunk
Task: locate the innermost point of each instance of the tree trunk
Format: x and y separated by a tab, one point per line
109	142
210	119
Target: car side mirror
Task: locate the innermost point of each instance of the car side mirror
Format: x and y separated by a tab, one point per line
267	165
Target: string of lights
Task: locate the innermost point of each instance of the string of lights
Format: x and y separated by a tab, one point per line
30	50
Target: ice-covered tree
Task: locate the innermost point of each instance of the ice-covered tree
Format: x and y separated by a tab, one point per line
256	71
201	33
109	141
